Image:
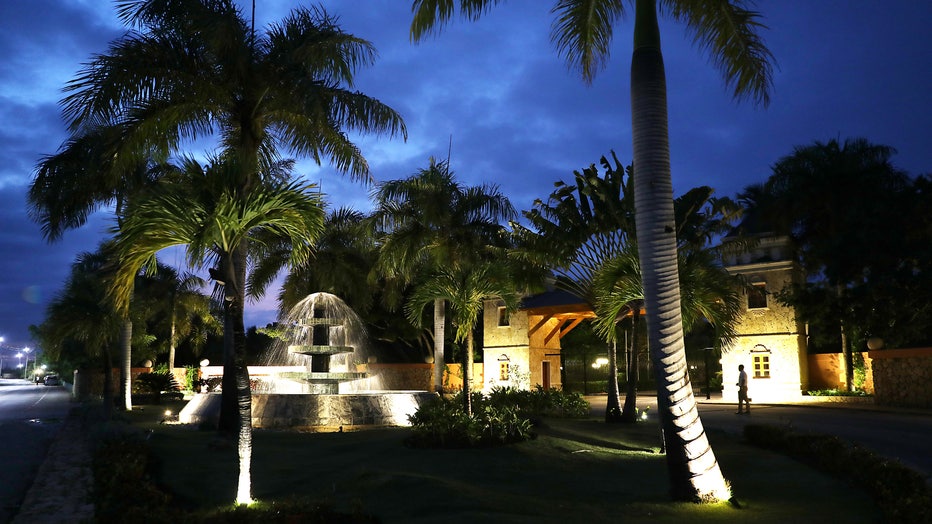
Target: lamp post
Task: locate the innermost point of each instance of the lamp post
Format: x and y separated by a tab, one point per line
26	369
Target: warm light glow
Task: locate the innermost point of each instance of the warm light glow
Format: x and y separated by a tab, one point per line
244	484
599	362
168	412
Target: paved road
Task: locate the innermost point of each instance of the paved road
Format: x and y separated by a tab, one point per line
901	434
30	417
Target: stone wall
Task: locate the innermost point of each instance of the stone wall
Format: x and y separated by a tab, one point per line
903	377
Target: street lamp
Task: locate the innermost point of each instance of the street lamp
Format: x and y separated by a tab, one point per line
26	369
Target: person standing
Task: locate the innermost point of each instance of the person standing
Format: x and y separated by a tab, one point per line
743	400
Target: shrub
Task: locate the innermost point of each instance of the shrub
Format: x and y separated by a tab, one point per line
156	384
444	423
836	393
504	417
124	469
901	492
541	402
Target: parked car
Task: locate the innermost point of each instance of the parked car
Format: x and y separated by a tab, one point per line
52	380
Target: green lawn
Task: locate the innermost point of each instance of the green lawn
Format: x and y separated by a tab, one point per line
575	471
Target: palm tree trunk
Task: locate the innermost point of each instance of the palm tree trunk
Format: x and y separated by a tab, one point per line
612	405
845	348
630	412
693	471
126	379
227	420
171	344
243	390
439	337
467	375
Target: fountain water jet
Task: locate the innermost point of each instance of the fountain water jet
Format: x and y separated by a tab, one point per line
317	379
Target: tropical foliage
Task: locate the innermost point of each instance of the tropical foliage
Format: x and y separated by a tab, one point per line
852	219
193	68
582	32
437	235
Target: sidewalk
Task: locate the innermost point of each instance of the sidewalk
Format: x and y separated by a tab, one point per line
61	491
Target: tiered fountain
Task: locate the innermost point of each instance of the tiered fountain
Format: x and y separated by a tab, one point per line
318	379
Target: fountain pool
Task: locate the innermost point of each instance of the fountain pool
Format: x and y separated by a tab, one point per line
318	379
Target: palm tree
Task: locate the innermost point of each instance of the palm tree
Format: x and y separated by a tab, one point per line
839	204
185	310
199	209
466	287
84	176
575	231
193	68
582	32
434	223
344	256
80	314
709	294
344	264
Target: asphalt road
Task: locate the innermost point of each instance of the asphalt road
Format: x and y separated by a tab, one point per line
902	434
30	417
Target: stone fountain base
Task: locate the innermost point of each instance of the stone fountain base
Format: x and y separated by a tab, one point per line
316	412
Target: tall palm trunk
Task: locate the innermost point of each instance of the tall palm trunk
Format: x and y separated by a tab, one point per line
228	421
171	341
126	351
845	348
243	389
439	337
693	471
630	412
612	404
467	374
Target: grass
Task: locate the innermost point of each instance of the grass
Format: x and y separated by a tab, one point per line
575	471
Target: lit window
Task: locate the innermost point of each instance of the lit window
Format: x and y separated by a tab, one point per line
503	371
757	296
761	366
503	316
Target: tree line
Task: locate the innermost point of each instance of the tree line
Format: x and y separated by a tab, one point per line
188	69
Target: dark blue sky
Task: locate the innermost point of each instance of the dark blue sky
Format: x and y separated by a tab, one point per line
517	116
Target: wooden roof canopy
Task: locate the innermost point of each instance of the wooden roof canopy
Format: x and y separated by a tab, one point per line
567	308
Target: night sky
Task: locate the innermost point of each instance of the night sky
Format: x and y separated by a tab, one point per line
517	117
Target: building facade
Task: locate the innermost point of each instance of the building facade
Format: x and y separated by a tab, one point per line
521	349
771	343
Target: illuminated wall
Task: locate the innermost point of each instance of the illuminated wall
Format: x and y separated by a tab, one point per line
514	356
771	343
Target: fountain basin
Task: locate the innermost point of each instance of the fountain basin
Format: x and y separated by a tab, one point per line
310	349
316	412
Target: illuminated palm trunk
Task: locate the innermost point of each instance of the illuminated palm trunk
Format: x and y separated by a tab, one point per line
241	371
612	404
693	470
630	411
126	378
439	321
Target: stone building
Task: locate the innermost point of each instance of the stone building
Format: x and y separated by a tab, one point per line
522	349
771	344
